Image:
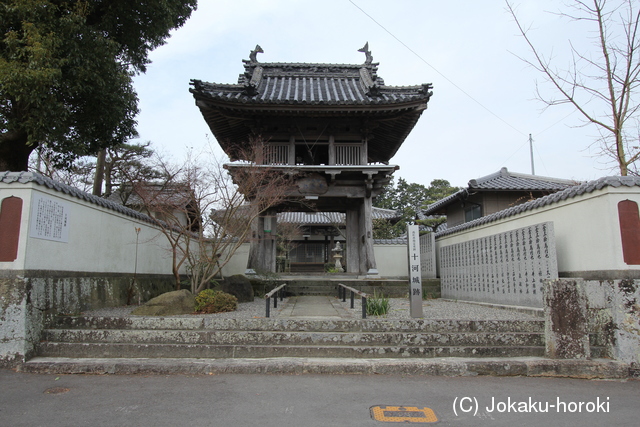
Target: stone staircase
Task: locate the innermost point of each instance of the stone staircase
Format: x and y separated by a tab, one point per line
201	345
207	338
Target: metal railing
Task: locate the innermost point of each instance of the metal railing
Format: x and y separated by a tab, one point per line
342	293
277	292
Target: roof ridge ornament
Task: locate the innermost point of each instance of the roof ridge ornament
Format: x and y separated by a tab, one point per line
251	88
367	52
253	56
253	73
367	78
371	88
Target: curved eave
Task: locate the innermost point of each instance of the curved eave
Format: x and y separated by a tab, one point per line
230	121
247	105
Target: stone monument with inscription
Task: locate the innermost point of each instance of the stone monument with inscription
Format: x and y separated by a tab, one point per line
504	268
415	275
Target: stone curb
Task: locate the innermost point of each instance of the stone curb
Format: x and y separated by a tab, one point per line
525	366
300	324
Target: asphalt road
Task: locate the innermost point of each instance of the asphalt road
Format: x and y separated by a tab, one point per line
312	400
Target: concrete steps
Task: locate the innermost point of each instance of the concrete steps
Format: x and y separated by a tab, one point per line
132	337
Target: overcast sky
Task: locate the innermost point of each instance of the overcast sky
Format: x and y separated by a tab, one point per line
483	106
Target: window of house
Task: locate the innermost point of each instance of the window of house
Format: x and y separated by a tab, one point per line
472	212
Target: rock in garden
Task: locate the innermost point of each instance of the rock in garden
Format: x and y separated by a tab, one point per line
170	303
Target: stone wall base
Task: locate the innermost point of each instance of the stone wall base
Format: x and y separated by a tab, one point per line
606	313
29	299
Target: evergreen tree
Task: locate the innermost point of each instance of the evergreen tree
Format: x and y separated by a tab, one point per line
409	199
66	71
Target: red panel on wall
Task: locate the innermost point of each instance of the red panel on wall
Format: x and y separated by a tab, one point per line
10	217
630	231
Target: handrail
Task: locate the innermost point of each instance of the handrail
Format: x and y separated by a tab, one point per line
342	293
278	292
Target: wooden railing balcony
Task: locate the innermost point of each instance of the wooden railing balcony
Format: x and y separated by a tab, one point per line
339	154
348	154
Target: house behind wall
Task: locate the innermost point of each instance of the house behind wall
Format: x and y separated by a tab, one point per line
493	193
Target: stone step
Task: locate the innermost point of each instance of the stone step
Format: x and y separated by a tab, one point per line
457	366
276	338
300	325
122	350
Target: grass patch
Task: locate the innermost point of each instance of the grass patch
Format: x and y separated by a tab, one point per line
377	305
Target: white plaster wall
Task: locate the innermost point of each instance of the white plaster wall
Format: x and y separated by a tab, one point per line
586	227
100	240
238	262
392	260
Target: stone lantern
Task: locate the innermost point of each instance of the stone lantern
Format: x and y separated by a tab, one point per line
337	256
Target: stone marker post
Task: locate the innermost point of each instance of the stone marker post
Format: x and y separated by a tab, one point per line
566	326
415	276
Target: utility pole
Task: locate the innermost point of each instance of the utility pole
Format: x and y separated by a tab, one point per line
533	171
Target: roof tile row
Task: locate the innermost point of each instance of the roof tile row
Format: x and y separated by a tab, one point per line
32	177
309	90
503	180
330	218
568	193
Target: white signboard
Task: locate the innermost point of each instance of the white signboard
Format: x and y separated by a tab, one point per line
415	276
49	219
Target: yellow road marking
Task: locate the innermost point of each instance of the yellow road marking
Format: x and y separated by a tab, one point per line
403	414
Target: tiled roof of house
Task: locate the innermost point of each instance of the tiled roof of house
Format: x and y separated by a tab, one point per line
503	180
568	193
29	177
330	218
177	195
396	241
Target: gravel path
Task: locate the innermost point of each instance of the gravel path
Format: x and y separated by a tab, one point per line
399	309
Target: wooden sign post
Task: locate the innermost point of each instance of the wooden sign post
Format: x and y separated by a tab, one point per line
415	276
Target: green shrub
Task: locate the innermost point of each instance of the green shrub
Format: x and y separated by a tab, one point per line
210	301
377	305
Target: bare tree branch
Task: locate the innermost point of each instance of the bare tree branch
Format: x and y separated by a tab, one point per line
204	214
611	80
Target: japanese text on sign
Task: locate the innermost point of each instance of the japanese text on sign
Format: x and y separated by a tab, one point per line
49	219
415	274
